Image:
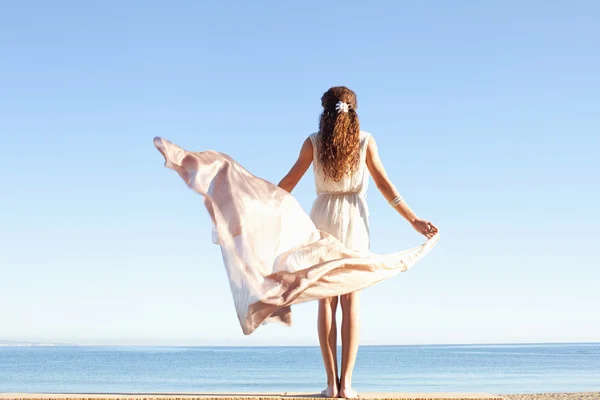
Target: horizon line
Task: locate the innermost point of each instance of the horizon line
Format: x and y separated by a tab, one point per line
13	343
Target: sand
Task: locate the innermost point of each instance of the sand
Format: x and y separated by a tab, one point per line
300	396
554	396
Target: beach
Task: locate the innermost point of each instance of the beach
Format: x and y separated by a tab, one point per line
301	396
554	396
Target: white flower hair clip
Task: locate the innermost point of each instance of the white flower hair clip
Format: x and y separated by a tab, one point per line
341	107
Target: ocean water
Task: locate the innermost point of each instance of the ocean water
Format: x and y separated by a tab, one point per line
472	368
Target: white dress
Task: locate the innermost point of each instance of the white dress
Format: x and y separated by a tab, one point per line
340	208
274	253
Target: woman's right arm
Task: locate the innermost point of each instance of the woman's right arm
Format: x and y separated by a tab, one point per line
388	190
299	168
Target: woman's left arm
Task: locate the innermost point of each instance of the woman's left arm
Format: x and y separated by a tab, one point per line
304	160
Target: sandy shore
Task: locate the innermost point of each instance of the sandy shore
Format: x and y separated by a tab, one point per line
554	396
298	396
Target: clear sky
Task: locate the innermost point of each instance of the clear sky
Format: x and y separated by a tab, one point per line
487	116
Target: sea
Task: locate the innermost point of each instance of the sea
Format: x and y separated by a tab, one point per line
497	369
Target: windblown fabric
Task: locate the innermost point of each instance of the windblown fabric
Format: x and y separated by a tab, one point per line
272	251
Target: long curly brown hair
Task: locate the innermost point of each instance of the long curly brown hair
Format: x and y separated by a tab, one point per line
339	134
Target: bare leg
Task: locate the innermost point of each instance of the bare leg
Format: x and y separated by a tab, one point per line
350	335
327	328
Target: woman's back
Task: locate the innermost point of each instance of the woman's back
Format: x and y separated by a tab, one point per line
340	208
356	182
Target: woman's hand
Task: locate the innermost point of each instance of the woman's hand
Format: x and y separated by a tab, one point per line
425	228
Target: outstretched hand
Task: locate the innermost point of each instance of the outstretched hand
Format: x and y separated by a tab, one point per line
425	228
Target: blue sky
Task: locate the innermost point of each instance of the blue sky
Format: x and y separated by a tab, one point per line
486	115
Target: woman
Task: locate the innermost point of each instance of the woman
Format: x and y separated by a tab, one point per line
342	154
276	255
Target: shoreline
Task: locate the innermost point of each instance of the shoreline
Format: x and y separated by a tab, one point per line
15	344
298	396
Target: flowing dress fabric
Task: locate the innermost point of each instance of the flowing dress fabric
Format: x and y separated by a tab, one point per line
274	254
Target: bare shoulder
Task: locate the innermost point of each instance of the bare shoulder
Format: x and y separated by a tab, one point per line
373	160
308	142
307	148
371	143
366	136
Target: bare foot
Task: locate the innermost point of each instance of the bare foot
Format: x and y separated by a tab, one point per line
331	391
348	393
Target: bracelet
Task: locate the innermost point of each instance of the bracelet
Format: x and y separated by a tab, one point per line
397	200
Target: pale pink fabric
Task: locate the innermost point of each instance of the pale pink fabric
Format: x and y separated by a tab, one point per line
272	251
